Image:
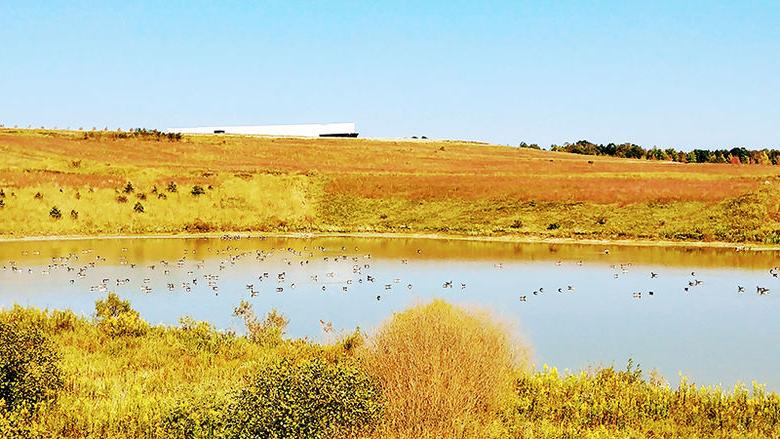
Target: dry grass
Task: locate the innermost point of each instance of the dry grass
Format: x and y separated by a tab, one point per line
348	185
445	372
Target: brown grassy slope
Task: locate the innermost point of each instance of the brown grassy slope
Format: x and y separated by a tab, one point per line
268	184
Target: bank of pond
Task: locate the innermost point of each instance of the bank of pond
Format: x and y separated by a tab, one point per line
432	370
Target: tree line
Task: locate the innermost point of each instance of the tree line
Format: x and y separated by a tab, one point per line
737	155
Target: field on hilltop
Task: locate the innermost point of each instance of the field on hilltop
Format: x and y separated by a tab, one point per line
99	183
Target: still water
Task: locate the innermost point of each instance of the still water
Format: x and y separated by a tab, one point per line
578	306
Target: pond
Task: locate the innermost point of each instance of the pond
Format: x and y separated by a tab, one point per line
690	311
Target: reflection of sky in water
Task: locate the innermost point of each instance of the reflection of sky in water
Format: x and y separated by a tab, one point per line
711	334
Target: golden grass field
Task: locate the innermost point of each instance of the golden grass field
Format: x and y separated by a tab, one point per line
360	185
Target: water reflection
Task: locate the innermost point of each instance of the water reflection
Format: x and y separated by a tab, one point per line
583	306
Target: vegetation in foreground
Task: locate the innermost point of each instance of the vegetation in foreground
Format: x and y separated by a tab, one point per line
434	370
65	183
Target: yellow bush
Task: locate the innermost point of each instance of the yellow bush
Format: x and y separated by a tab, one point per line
445	371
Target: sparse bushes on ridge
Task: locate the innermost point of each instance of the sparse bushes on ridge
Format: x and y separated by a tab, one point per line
136	133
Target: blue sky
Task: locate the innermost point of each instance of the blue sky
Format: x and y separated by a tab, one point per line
683	74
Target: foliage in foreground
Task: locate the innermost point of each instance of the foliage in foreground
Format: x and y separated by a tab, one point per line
432	371
608	401
443	370
29	371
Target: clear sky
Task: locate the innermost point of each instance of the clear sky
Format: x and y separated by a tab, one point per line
677	73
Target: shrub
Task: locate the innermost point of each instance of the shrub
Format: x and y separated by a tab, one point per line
74	215
312	399
128	189
197	190
121	199
116	318
199	226
29	370
38	196
200	336
60	320
172	187
553	226
267	332
444	371
55	213
138	208
2	203
197	417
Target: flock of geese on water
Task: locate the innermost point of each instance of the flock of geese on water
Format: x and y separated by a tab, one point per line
281	282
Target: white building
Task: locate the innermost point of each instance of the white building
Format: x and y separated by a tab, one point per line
297	130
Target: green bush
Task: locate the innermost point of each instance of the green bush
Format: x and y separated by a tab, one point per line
116	318
196	418
312	399
197	190
29	369
55	213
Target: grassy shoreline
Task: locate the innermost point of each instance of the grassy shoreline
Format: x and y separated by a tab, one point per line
429	236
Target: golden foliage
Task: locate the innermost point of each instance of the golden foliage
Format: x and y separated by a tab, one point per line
445	372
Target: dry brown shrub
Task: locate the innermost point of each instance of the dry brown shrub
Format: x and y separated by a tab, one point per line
444	371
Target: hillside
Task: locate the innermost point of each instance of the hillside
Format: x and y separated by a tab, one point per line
361	185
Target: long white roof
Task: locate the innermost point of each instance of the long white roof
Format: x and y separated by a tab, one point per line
304	130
